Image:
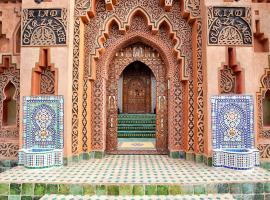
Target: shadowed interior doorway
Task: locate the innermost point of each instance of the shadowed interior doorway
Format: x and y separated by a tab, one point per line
137	108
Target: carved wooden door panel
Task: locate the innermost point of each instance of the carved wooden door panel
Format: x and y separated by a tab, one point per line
136	96
137	91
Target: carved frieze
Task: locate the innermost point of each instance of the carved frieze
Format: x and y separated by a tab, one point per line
44	27
82	6
227	81
229	26
193	7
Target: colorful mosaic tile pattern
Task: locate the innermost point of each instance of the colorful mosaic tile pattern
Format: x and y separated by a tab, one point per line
134	169
43	122
177	197
232	121
43	130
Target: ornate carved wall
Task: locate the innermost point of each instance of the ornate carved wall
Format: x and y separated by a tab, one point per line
138	32
152	59
147	22
44	75
44	27
229	26
9	135
264	131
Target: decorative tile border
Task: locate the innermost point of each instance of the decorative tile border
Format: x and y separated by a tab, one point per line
37	190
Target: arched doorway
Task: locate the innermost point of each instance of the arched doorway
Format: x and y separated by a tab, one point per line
136	128
138	85
137	90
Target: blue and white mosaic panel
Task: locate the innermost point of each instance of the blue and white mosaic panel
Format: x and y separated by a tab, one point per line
233	132
43	125
43	132
232	121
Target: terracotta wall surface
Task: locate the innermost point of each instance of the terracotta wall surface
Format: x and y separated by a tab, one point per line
10	19
252	63
61	57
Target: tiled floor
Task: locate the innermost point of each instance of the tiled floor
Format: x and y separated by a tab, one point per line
134	169
136	143
184	197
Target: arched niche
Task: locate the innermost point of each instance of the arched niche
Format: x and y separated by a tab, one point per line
9	105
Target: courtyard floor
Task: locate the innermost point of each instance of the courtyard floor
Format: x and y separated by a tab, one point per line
135	169
135	175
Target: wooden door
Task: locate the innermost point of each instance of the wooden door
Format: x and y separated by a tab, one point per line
137	89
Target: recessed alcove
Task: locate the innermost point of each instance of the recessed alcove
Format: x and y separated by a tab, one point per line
9	106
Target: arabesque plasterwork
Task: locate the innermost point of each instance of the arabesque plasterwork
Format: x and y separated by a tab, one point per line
97	37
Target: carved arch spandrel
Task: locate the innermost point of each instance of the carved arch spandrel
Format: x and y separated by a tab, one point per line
153	27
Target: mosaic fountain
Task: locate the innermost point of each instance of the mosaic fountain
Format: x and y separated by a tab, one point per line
42	132
233	132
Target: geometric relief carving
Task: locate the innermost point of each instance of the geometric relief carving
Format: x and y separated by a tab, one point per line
229	26
9	100
75	85
200	83
44	27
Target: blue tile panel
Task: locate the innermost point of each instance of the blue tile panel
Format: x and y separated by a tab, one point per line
233	132
43	132
232	121
43	125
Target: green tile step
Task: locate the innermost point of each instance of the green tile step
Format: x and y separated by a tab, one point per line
122	116
136	121
154	197
136	125
136	133
136	128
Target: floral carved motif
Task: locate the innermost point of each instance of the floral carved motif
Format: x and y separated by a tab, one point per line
47	81
193	7
227	81
264	150
44	27
229	26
